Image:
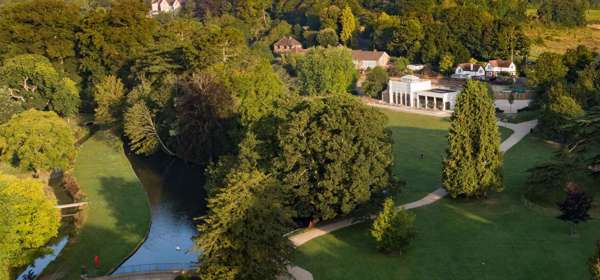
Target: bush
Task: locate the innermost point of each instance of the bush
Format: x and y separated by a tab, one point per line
595	264
376	82
393	231
72	187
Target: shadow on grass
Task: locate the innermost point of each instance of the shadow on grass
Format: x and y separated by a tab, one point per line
130	214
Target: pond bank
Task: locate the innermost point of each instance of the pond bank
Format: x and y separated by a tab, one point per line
117	217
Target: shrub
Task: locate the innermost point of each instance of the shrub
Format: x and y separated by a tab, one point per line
393	231
595	264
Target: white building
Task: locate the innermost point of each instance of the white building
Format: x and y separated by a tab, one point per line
166	6
411	91
496	67
364	60
469	71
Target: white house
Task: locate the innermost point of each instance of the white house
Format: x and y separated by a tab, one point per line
469	71
166	6
411	91
497	66
364	60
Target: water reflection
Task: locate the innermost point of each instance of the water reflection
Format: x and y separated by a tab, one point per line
40	263
176	197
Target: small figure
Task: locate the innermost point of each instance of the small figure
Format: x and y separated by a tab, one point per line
422	156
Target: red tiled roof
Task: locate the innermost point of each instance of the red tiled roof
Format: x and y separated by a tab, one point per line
287	41
366	55
500	63
469	67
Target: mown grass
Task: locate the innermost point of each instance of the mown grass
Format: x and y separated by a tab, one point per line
497	238
117	217
419	145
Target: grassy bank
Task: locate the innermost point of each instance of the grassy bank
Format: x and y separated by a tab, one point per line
498	238
117	217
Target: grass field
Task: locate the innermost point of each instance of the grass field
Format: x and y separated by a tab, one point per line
498	238
558	39
117	215
415	135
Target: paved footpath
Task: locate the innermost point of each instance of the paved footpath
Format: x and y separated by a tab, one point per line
519	132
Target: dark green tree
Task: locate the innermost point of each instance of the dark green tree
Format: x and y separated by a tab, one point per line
326	71
568	13
43	27
376	82
576	206
560	110
208	125
333	153
473	159
242	236
108	39
393	230
547	71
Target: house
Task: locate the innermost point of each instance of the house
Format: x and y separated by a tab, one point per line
499	67
166	6
469	71
364	60
413	92
286	45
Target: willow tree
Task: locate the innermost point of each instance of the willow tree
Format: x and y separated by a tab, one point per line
473	158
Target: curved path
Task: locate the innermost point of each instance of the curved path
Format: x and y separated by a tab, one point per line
519	132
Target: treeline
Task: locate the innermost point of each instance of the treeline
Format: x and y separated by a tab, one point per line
423	31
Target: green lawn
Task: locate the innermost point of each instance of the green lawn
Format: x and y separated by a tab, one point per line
415	135
118	215
498	238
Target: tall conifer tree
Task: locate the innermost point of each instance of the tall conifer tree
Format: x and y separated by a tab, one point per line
473	161
242	235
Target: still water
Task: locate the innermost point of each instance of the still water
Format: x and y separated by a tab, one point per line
176	194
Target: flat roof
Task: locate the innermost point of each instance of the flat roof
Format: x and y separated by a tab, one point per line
441	90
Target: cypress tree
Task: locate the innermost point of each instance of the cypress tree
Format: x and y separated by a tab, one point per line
242	235
473	160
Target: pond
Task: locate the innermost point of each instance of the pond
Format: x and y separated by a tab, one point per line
176	195
40	263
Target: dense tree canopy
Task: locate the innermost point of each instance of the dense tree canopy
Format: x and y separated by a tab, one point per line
473	159
333	154
32	80
326	71
44	27
563	12
28	220
35	140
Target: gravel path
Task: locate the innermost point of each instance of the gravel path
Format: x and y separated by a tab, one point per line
519	132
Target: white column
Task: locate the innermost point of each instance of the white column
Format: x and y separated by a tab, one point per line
435	103
418	101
